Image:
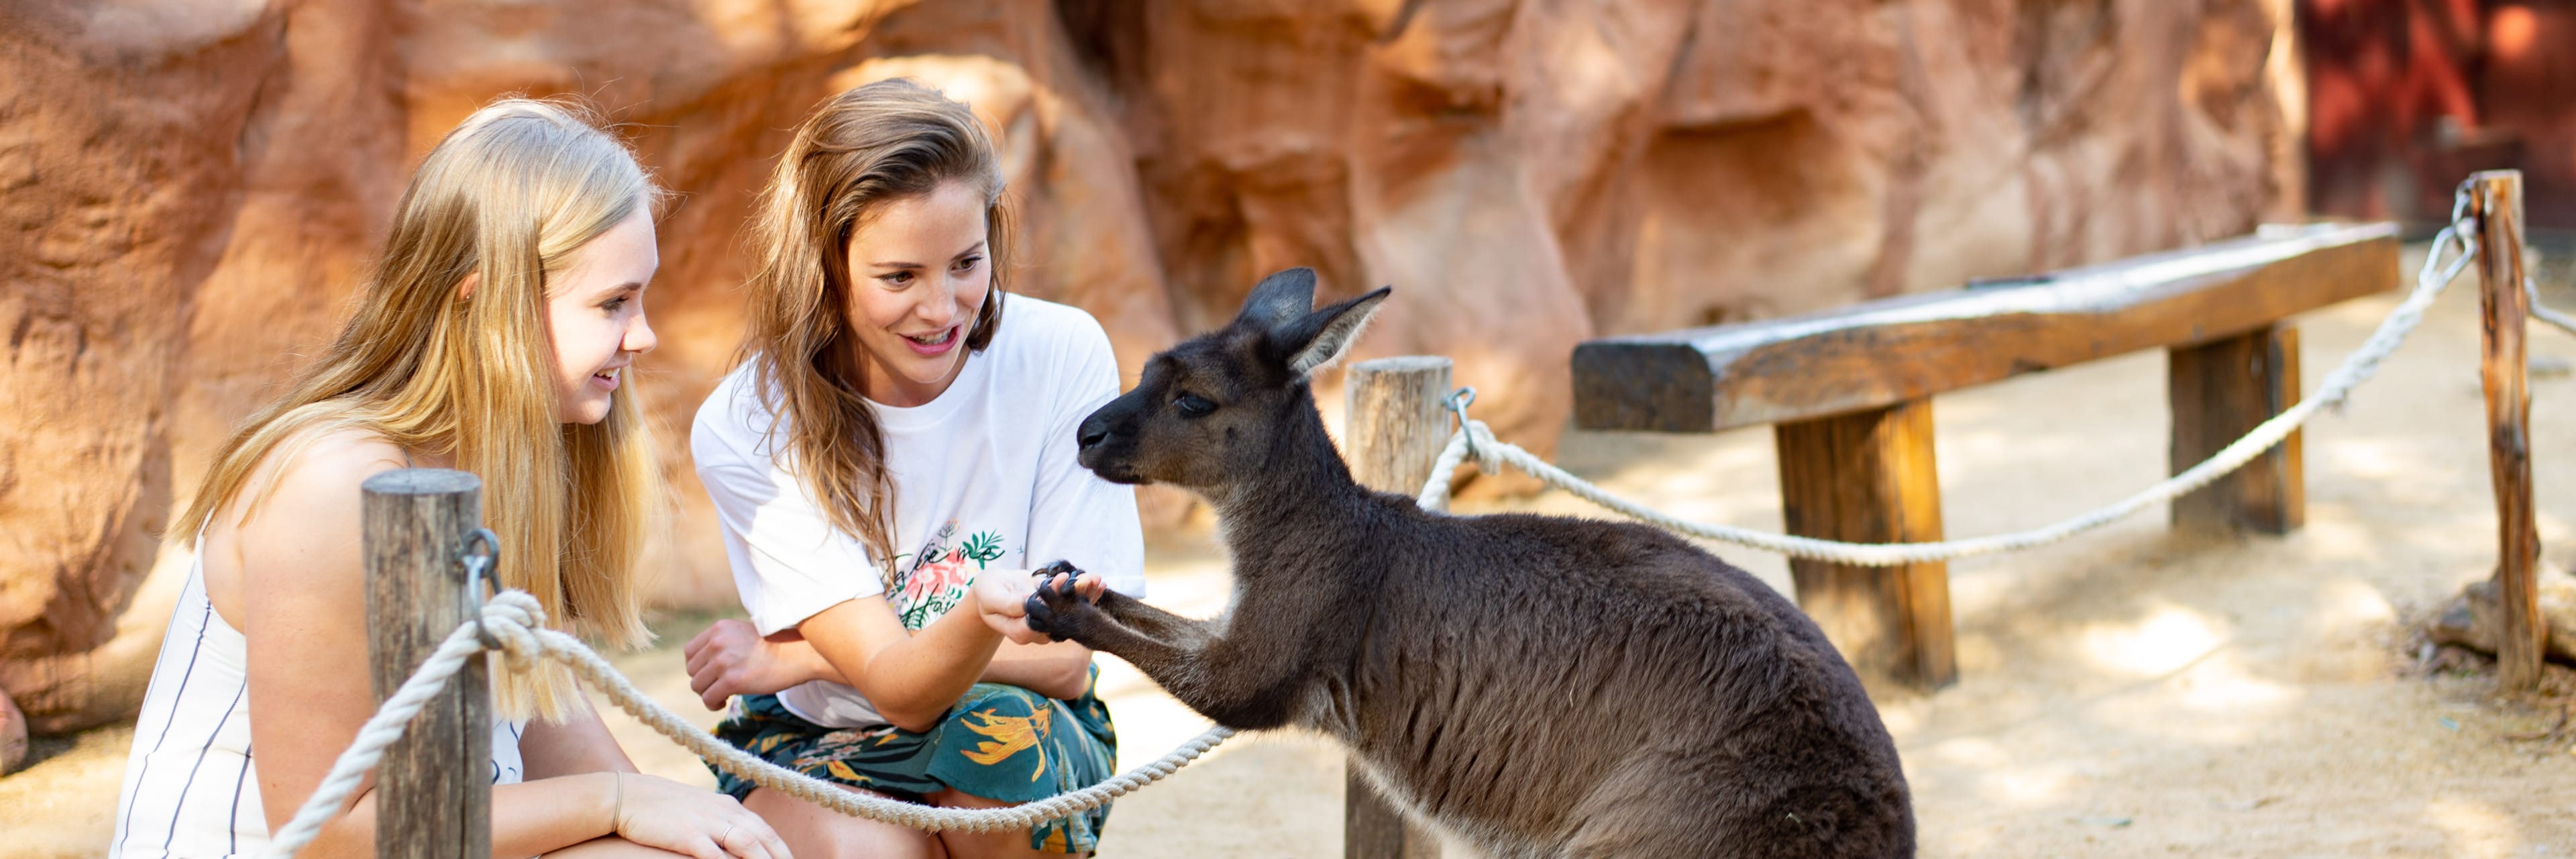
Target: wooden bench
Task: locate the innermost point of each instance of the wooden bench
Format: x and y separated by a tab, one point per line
1849	391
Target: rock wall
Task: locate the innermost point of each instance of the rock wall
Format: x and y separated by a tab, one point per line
194	183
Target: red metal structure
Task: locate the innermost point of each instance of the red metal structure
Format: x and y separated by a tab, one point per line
2406	96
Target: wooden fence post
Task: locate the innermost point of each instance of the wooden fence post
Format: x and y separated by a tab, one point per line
1867	477
2219	391
1395	426
434	788
2496	200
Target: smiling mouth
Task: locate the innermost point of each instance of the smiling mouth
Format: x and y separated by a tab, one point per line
935	339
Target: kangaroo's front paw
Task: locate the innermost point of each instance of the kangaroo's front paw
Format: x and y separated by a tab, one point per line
1057	607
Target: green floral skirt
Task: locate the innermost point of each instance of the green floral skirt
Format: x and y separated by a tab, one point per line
999	742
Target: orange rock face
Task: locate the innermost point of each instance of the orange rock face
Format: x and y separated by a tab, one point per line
194	186
13	736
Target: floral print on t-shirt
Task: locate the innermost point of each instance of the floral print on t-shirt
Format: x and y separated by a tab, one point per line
938	578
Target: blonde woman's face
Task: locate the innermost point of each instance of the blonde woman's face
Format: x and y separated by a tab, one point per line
918	274
595	313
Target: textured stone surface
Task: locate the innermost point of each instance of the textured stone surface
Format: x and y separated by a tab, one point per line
120	170
193	187
13	736
2475	618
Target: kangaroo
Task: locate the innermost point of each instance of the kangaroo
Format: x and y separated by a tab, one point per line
1539	686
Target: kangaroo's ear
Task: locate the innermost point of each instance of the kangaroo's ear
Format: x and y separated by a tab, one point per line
1279	300
1318	339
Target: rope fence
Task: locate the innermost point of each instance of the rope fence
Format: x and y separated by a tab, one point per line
512	624
2542	312
516	628
1474	440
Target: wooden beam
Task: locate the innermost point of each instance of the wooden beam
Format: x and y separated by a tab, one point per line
1868	477
2219	391
434	788
2496	200
1880	353
1392	431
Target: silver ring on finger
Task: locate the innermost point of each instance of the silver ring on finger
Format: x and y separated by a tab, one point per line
728	833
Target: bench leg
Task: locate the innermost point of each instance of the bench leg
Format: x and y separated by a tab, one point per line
1868	477
2219	391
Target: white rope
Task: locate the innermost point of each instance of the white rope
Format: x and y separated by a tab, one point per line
517	623
2337	385
2542	312
518	626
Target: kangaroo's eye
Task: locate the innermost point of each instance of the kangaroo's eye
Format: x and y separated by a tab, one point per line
1193	405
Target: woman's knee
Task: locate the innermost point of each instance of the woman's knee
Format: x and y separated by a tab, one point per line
983	845
813	831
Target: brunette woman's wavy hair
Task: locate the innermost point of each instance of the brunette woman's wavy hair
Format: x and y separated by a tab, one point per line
505	199
885	141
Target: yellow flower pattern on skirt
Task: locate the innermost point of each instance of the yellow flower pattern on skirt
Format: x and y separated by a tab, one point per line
1009	735
998	742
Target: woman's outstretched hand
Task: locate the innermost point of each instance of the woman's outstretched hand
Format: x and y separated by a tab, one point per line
1002	596
731	658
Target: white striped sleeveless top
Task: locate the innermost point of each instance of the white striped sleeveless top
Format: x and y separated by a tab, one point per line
191	789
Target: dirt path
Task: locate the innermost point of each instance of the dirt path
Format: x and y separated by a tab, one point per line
2128	693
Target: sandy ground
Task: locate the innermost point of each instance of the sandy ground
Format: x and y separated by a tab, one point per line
2127	693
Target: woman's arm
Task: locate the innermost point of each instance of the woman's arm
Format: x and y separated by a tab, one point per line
913	677
804	573
578	744
1058	670
732	658
304	626
302	606
529	818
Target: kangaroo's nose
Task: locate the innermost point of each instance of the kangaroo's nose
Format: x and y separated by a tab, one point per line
1094	431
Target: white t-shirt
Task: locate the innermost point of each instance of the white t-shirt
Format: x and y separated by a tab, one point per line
984	477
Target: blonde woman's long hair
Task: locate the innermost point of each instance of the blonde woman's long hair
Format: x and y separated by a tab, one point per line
885	141
504	200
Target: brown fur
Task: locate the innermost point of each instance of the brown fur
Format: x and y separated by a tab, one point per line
1542	686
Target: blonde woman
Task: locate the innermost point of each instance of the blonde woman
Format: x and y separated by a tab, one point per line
893	455
495	337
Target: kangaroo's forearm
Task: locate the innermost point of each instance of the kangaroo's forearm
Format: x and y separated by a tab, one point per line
1238	686
1156	623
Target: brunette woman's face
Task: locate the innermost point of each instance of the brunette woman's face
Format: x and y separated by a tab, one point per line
596	316
919	271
